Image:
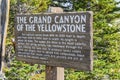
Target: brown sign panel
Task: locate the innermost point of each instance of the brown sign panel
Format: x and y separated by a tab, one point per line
60	39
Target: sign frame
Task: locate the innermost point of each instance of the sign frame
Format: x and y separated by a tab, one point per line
82	65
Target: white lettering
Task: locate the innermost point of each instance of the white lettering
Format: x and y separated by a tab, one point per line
62	28
21	20
56	19
40	19
30	27
20	27
31	19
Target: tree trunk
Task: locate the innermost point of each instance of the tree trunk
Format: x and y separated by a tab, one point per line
0	36
4	18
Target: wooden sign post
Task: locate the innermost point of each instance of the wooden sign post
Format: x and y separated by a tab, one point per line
55	39
52	72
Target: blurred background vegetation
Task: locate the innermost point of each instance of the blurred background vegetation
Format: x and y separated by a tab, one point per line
106	35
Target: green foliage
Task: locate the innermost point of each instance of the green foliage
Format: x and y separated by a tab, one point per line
20	71
34	6
106	41
24	6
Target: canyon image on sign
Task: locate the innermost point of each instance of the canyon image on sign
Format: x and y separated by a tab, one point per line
55	39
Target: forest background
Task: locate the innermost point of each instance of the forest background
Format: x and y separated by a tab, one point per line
106	40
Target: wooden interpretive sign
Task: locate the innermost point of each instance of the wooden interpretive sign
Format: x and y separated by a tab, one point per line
56	39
